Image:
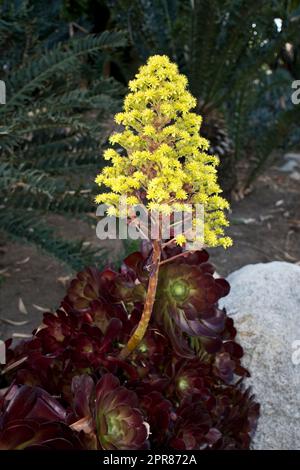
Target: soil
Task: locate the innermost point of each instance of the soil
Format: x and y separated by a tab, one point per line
265	226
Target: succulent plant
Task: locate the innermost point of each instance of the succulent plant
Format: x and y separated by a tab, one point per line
108	413
190	396
120	424
141	357
187	295
163	166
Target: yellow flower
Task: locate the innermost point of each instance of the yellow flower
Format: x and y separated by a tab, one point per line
180	239
165	166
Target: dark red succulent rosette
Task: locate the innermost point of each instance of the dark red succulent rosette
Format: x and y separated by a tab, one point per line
160	414
120	423
32	419
57	330
108	414
187	299
187	295
153	353
87	287
108	285
237	415
100	313
190	376
33	435
194	425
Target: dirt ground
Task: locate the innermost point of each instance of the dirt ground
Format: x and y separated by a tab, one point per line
265	226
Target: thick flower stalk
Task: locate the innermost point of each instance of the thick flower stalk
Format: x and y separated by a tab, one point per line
163	165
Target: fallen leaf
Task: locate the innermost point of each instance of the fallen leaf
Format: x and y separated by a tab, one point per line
14	323
4	272
244	220
85	191
40	309
64	280
22	307
13	365
262	218
23	261
289	257
21	335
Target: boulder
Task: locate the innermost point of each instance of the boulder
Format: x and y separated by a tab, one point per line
265	303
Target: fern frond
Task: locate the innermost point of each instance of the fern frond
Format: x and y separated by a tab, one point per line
31	78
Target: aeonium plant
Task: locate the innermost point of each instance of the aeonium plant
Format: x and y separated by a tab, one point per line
141	357
165	169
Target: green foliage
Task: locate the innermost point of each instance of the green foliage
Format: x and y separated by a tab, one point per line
231	52
52	125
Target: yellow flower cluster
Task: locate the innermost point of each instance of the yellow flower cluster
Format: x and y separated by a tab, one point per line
164	165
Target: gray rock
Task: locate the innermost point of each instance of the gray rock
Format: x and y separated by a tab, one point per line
292	156
289	166
265	304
